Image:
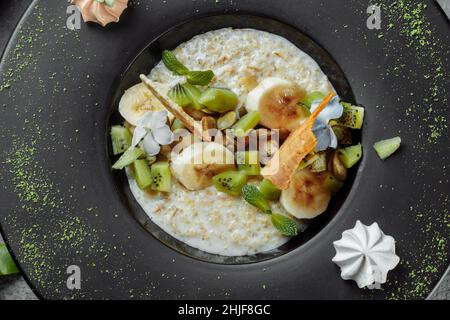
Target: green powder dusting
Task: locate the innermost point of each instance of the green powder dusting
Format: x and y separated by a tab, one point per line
21	58
409	20
35	255
31	186
416	56
433	254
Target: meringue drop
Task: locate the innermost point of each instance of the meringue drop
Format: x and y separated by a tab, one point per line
99	11
366	255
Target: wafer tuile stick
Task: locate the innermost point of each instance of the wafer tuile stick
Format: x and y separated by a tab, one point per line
297	146
189	122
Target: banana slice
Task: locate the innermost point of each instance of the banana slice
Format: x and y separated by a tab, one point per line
196	165
307	197
276	100
136	101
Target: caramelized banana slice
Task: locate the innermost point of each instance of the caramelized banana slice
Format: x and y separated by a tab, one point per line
307	196
276	100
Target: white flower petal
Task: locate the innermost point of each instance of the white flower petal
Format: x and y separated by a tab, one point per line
158	119
333	110
146	120
333	139
151	147
163	135
323	137
326	138
138	135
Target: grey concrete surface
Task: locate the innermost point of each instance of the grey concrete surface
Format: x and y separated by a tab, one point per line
15	287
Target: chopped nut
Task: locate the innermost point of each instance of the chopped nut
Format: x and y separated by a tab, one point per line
249	82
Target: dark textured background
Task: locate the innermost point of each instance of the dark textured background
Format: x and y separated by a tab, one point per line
15	287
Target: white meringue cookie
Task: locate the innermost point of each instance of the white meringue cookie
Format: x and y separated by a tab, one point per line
366	255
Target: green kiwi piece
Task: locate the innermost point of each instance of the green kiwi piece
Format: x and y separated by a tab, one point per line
313	96
331	182
131	155
385	148
269	191
161	176
194	93
219	100
309	160
121	139
180	96
352	117
350	155
246	123
142	174
230	182
186	95
248	162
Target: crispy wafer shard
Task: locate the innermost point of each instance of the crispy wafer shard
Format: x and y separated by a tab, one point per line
189	122
297	146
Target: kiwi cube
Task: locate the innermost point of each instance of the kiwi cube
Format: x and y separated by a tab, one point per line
309	159
219	100
142	174
161	176
121	139
248	162
385	148
269	191
194	93
230	182
246	123
180	96
332	183
350	155
352	116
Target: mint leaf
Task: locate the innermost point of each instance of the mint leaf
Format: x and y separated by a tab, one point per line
200	78
173	64
7	265
253	196
284	225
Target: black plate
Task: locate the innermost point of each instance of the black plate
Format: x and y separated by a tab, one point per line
62	206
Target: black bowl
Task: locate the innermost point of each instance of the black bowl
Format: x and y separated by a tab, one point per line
151	55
